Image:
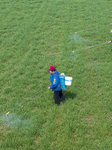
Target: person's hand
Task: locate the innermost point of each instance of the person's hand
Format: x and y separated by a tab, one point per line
109	42
111	24
49	88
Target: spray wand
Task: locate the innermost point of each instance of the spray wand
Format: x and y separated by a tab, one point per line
26	100
8	113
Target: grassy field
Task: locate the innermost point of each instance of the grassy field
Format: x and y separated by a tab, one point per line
35	34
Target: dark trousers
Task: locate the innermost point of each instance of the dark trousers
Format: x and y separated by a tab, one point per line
58	94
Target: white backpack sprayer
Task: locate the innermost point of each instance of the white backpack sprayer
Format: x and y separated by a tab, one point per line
65	81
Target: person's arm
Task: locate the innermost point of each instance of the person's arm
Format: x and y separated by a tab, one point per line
55	82
111	24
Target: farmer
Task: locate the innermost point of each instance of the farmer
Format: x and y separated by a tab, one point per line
55	85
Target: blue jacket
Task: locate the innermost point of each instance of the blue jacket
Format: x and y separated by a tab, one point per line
55	81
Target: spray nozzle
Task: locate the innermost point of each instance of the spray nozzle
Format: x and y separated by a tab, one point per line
7	113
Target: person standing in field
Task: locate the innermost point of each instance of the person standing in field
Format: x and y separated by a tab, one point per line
55	85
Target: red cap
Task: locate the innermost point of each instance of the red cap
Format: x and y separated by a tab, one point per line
51	68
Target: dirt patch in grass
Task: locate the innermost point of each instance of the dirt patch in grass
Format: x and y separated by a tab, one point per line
58	120
3	129
89	63
89	134
82	108
38	139
110	117
26	87
50	52
89	119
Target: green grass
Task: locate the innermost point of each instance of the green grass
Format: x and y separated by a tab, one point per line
36	34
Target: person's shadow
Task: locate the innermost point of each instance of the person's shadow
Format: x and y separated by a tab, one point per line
67	95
